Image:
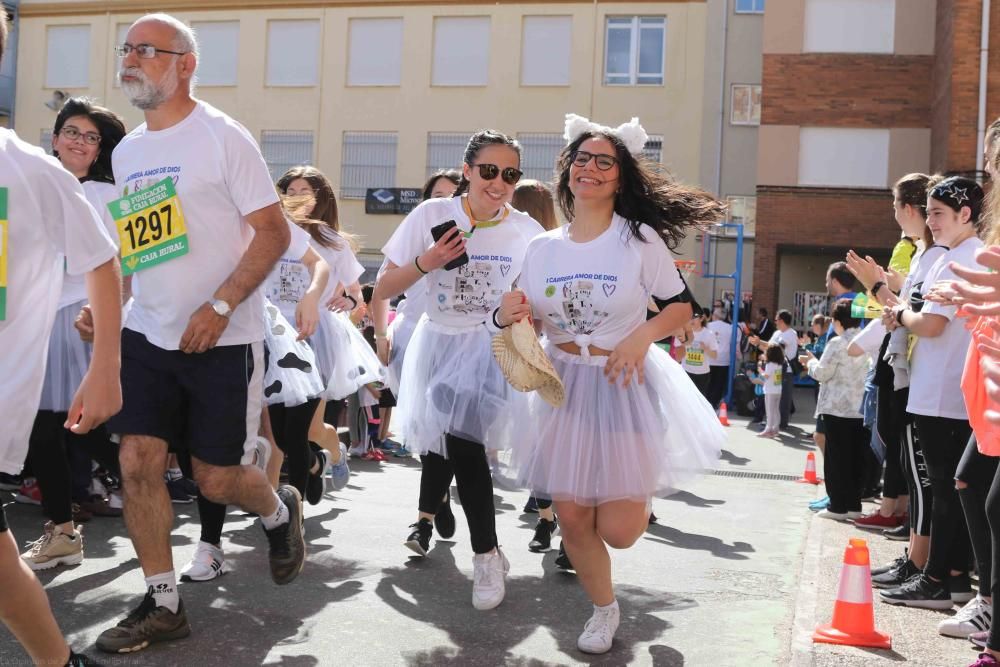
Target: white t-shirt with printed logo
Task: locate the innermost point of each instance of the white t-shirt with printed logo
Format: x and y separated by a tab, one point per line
220	178
50	228
289	279
595	293
773	377
345	269
696	360
467	295
98	194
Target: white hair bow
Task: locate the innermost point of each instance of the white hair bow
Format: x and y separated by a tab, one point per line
631	133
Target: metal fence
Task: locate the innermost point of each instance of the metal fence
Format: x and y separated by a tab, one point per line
445	150
539	153
284	149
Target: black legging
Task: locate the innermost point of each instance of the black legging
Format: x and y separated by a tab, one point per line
943	441
993	514
889	420
917	479
977	471
701	381
291	433
467	462
844	462
49	454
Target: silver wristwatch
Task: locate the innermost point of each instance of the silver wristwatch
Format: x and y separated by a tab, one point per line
221	307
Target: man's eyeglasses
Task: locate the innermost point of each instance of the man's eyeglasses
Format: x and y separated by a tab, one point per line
72	134
488	172
145	51
603	161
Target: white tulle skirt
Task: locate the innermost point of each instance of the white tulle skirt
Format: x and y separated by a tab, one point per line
400	333
609	442
346	360
68	360
451	384
291	376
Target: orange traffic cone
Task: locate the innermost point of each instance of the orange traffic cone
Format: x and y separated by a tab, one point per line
723	414
853	616
809	476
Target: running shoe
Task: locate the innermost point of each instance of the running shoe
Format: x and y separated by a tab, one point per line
340	472
379	454
444	520
985	660
542	541
99	506
287	547
960	588
81	660
599	632
178	495
147	624
562	560
899	534
29	493
838	516
896	576
874	520
10	482
893	565
419	541
920	591
531	507
357	452
975	616
488	573
54	548
189	486
314	481
208	562
402	452
820	504
979	639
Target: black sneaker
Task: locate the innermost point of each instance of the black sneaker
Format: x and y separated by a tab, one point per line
287	545
189	486
960	588
81	660
444	520
419	540
542	541
147	624
895	577
10	482
920	591
531	507
314	482
562	560
893	565
898	534
178	495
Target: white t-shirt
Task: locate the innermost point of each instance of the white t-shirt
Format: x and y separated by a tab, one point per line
788	340
772	378
467	295
920	266
345	269
937	363
50	226
696	361
595	293
870	339
723	336
289	279
98	194
220	178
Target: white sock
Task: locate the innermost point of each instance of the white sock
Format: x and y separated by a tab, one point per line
164	589
280	516
607	607
173	474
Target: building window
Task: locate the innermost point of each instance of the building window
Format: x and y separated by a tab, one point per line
375	56
67	63
284	149
635	50
293	53
368	161
539	152
749	6
843	157
653	150
445	150
218	46
545	50
45	141
744	103
461	51
849	26
742	209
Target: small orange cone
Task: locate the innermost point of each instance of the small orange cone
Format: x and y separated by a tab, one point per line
809	476
723	414
853	616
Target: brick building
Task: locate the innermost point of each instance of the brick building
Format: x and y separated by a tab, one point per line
857	93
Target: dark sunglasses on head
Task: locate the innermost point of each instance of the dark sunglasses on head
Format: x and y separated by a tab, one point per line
488	172
602	160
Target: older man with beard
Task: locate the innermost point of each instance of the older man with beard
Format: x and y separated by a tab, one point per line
201	228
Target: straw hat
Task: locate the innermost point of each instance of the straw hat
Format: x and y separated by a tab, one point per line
525	364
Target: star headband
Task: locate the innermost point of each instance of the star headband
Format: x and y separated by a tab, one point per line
631	133
956	194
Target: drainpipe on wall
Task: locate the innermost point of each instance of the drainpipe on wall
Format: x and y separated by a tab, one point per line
984	57
722	95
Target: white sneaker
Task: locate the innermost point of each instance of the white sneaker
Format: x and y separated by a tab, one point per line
600	629
975	616
207	563
488	573
357	451
838	516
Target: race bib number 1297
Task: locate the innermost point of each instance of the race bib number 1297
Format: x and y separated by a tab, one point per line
150	227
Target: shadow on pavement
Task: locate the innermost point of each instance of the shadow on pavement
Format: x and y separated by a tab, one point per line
691	499
677	538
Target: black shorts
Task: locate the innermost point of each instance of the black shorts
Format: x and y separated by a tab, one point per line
208	404
386	398
820	425
3	520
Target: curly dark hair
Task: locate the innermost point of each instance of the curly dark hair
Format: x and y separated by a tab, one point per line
109	125
646	195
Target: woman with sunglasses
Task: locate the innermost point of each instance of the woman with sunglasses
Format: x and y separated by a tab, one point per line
633	424
83	138
470	248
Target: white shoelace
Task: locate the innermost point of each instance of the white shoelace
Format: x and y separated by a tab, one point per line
975	607
599	626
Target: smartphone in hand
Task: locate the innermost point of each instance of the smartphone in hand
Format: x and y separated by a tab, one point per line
437	232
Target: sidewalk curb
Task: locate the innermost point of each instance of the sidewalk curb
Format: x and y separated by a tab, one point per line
804	621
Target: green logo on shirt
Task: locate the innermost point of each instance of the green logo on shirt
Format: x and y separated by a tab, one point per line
550	290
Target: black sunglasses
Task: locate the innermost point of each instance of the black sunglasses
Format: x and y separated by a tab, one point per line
602	160
488	172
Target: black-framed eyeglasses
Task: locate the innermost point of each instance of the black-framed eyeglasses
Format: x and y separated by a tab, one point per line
73	133
145	51
602	160
488	172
